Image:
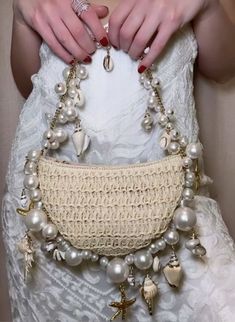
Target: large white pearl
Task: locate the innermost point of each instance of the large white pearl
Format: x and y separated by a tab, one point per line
117	270
188	194
49	231
163	119
160	244
60	134
73	257
35	195
82	72
143	259
34	155
54	145
94	257
60	88
30	182
62	118
70	113
66	73
30	168
184	218
173	148
171	237
69	102
152	102
35	220
72	91
194	150
49	135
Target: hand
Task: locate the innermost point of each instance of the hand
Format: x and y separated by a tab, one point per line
59	26
137	24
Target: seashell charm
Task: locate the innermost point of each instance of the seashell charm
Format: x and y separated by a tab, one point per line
80	141
108	63
25	247
156	264
173	271
147	122
79	99
165	140
148	291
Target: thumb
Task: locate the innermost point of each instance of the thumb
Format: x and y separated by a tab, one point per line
101	11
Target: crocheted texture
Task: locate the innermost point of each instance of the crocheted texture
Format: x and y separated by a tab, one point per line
112	209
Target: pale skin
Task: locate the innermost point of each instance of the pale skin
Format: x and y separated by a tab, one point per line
133	25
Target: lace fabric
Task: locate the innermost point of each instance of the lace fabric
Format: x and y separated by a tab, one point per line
112	117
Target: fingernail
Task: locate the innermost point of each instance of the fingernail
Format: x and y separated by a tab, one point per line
72	62
115	47
141	69
104	42
87	59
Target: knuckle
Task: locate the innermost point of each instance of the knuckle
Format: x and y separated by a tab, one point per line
139	41
175	18
125	34
35	18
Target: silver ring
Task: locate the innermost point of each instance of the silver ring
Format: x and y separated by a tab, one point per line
79	6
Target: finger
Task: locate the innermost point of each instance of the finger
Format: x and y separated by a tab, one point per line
67	41
143	37
79	33
163	36
129	29
117	19
94	24
101	11
48	36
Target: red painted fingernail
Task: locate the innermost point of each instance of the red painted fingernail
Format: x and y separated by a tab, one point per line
72	62
87	59
104	42
141	69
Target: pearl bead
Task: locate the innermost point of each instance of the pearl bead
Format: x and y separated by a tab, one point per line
187	163
142	79
192	243
163	120
62	118
30	168
171	237
59	239
86	254
60	105
34	155
199	251
73	257
54	145
72	92
47	145
49	231
171	114
183	141
60	88
151	102
173	148
66	73
194	150
143	259
104	262
155	82
188	194
169	126
184	218
35	195
175	134
69	102
129	259
153	248
70	113
74	82
82	72
38	204
35	220
190	176
147	84
187	203
30	182
94	257
60	134
160	244
117	270
49	135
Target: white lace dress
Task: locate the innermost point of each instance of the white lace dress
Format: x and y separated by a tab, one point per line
115	106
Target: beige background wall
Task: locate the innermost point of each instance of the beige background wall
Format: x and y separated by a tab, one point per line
216	112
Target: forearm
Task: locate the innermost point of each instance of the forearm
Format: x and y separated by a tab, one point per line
215	33
25	59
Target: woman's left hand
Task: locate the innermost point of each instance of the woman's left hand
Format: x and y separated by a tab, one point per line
137	24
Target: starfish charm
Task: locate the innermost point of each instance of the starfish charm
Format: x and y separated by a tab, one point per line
123	305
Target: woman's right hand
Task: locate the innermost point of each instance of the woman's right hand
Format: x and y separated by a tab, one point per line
59	26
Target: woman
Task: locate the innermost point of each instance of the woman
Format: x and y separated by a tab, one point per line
62	294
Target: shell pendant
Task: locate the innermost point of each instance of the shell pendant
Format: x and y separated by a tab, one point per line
108	62
80	140
25	247
173	271
148	291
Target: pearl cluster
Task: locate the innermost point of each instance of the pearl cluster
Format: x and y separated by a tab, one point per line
184	218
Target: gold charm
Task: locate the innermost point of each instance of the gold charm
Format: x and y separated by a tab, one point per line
25	246
148	291
123	305
108	62
173	271
24	212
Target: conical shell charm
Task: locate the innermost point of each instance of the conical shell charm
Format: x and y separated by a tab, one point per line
165	140
156	264
80	140
173	271
79	99
108	63
25	247
149	291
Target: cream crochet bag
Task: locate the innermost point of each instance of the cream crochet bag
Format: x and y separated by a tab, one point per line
111	210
